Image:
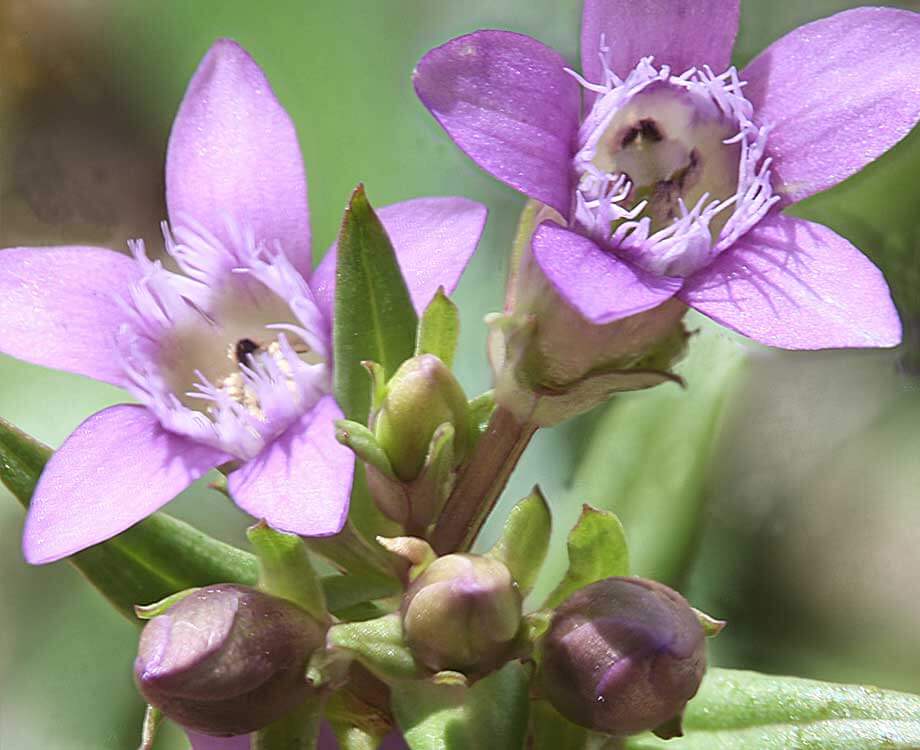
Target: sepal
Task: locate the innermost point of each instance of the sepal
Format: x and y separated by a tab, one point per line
377	644
524	542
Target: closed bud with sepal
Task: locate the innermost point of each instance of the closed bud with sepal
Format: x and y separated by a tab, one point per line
622	656
422	395
462	614
227	659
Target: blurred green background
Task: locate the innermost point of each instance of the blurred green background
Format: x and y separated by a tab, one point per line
781	494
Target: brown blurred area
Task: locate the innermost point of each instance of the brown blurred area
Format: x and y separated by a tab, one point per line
80	165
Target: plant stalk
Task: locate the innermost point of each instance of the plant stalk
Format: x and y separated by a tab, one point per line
481	482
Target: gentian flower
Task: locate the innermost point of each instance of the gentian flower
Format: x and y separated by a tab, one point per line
231	356
673	182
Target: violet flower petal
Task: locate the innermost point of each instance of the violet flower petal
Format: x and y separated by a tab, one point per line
507	101
434	239
679	33
795	284
301	482
837	94
59	308
207	742
597	284
115	469
233	156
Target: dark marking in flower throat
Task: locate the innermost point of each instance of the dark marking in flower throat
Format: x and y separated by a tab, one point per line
647	129
244	350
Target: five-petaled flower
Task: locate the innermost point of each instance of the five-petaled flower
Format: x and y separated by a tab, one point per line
230	358
673	182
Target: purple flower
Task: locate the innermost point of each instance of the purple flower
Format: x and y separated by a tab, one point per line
673	182
230	358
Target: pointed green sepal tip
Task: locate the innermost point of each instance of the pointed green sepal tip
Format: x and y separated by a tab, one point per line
597	549
285	569
416	552
149	611
525	539
439	329
711	626
365	446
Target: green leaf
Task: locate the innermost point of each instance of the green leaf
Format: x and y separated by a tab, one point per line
439	329
492	713
525	539
378	645
648	457
740	710
285	569
549	730
150	561
374	317
597	550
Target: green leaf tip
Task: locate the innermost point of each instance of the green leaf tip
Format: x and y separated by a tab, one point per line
525	539
439	329
597	549
285	569
374	316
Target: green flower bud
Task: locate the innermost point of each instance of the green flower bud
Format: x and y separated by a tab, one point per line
227	659
462	614
623	655
421	396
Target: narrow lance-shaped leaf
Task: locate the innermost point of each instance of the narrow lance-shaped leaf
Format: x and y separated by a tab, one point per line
525	539
285	569
439	329
597	550
150	561
374	316
737	710
492	713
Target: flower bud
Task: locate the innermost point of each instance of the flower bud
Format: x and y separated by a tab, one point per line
623	655
550	363
227	659
421	396
462	614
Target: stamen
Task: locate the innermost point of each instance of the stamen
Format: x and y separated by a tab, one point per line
207	351
687	242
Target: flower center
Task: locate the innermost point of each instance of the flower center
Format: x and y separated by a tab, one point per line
230	352
669	168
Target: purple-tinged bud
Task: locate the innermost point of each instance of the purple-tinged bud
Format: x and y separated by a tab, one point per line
227	659
549	363
421	396
623	655
462	614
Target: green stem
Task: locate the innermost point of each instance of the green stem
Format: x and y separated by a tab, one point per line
481	482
